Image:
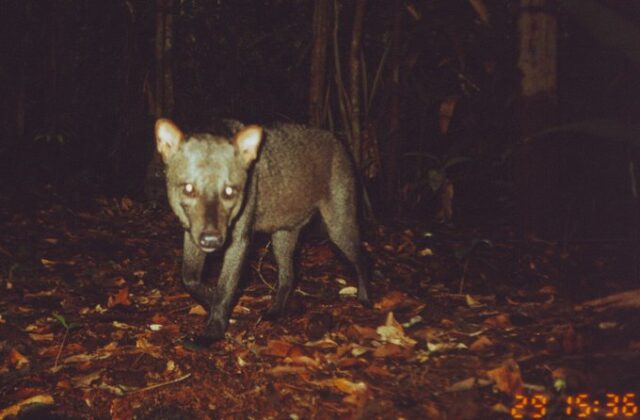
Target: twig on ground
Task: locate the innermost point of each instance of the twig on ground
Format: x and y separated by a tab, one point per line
64	339
173	381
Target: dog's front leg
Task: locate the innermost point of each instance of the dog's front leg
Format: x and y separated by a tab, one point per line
220	309
193	261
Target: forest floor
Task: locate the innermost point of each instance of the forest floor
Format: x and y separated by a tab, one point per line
466	324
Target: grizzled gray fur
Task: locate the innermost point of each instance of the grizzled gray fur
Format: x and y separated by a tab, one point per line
155	190
223	187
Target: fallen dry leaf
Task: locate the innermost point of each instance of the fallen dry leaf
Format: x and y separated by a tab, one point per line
500	408
347	386
198	310
498	321
14	410
426	252
348	291
393	351
350	362
375	370
240	310
277	348
445	346
357	332
628	299
307	361
80	358
287	369
548	289
51	263
148	348
84	381
393	300
392	332
481	344
472	302
126	203
428	333
41	337
507	377
64	384
159	318
17	359
323	343
120	298
358	350
120	281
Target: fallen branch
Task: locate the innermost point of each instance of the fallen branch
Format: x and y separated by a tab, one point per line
628	299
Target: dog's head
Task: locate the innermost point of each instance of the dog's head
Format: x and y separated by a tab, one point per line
207	178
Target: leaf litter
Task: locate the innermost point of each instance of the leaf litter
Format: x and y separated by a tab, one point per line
94	322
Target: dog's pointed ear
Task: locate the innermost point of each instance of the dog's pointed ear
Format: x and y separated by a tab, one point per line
168	138
247	143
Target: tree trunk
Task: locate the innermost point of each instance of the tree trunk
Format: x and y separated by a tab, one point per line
159	50
535	167
394	138
52	105
318	62
168	96
164	94
164	98
14	102
354	79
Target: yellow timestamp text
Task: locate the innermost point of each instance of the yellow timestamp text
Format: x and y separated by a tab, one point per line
582	406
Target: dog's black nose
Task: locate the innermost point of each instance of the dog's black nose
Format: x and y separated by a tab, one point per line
210	240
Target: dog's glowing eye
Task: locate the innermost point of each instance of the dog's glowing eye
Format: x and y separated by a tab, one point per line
229	192
188	189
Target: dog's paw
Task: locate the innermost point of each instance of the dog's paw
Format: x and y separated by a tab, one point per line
271	314
363	298
213	331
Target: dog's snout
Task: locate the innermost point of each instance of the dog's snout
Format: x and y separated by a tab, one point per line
210	240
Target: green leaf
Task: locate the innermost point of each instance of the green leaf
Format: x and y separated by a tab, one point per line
61	319
67	325
455	161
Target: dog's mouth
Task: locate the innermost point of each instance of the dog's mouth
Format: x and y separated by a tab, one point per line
208	250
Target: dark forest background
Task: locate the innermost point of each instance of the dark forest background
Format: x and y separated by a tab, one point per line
429	94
